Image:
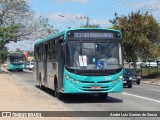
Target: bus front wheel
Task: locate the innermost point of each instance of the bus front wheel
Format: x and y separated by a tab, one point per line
56	92
103	95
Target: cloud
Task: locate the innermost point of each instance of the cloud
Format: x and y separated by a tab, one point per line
69	1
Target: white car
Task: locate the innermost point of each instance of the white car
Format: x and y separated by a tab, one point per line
138	62
29	65
149	64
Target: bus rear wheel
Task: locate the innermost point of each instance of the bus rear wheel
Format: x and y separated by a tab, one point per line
40	82
103	95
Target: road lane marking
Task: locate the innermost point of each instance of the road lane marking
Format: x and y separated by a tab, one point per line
142	97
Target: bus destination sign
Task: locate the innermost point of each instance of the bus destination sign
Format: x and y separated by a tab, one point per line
93	34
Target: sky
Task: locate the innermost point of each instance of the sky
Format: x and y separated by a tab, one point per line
75	13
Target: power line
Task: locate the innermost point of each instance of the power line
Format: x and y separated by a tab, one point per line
149	5
107	9
110	5
102	7
150	8
155	6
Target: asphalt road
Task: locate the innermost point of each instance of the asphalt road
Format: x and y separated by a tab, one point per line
141	97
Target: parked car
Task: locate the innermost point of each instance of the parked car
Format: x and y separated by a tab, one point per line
138	62
149	64
29	65
130	76
158	62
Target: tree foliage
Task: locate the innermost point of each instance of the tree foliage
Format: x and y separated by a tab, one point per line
19	22
140	35
3	55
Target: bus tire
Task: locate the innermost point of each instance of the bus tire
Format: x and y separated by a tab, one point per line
56	92
40	82
130	86
103	95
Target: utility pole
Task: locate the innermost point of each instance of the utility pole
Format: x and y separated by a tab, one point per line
69	19
84	17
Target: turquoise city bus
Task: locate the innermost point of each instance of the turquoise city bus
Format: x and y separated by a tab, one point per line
82	60
15	61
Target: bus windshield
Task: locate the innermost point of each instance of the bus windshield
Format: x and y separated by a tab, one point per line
17	59
93	56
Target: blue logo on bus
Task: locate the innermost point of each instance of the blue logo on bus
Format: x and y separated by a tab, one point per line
100	64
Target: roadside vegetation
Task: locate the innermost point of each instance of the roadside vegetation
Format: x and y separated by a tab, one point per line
148	73
141	36
141	39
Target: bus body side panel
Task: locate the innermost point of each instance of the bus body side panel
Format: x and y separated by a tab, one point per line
35	71
60	68
60	77
41	71
92	84
51	72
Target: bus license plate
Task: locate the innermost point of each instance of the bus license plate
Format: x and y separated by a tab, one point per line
95	87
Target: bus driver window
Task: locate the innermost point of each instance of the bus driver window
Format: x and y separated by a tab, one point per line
76	58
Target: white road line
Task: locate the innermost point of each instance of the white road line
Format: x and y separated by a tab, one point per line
141	97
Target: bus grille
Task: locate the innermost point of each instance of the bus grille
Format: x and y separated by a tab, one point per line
87	81
104	81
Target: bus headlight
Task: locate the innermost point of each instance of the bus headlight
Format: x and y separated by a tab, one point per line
71	79
117	80
68	77
120	77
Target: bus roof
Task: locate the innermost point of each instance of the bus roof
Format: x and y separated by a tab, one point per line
65	31
15	52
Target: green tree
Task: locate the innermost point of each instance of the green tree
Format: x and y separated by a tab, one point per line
7	34
140	34
3	55
19	22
